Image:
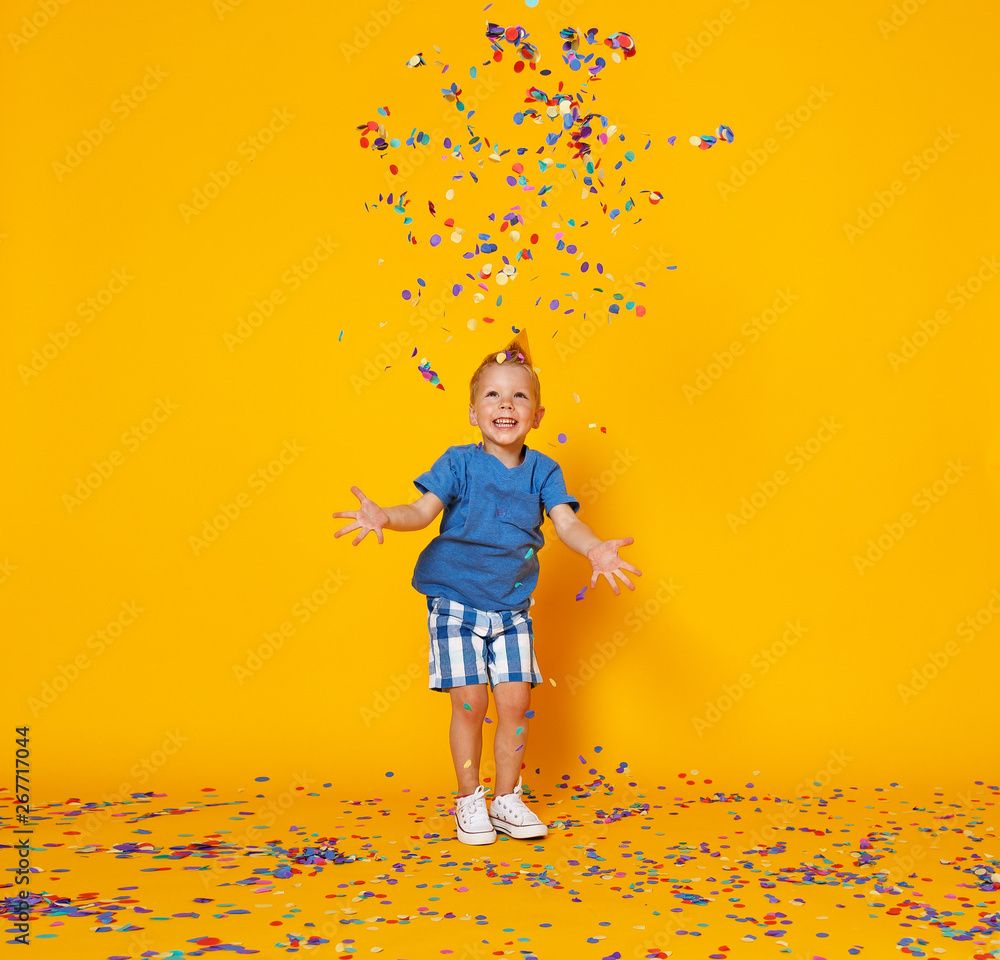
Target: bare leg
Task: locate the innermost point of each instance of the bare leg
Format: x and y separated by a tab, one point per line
513	699
466	733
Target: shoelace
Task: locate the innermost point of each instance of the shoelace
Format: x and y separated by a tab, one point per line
465	807
514	805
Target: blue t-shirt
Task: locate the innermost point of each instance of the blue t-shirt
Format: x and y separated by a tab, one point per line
486	554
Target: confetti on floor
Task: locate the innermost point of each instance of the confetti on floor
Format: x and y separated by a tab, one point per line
630	869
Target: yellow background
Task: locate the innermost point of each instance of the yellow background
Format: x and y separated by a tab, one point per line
832	698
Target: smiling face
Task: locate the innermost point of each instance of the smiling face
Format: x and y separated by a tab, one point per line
505	408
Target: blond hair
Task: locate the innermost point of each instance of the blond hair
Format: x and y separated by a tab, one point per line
515	352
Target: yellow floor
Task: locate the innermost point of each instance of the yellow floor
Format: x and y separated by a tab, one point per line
626	871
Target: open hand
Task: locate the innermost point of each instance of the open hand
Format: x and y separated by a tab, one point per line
369	517
606	562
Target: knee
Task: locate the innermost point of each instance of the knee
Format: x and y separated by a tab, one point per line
471	709
513	709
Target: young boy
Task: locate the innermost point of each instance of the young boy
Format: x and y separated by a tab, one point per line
478	575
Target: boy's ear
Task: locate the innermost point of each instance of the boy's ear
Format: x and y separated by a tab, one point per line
472	416
539	413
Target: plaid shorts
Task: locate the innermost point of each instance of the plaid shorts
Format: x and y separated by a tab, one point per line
479	646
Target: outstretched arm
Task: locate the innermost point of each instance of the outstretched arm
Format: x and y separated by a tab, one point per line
371	517
602	554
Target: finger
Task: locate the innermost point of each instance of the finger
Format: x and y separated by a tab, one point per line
614	586
593	580
378	533
624	543
628	566
345	513
357	492
628	583
347	529
359	538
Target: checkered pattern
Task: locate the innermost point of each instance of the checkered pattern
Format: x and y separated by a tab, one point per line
479	646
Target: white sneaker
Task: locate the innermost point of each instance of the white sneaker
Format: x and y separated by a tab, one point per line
472	822
510	816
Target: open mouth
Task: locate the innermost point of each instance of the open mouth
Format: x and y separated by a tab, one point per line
504	423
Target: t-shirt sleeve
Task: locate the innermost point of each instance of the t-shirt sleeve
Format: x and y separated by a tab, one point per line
443	479
554	491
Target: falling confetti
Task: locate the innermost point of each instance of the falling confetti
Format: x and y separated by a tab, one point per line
567	119
429	375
